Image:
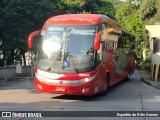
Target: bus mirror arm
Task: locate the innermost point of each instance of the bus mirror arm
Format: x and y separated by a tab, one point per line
31	36
97	41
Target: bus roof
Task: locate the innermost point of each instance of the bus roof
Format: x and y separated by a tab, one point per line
83	19
76	19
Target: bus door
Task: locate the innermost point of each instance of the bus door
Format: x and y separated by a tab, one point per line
110	57
119	60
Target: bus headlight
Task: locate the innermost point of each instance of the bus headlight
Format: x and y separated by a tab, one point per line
88	79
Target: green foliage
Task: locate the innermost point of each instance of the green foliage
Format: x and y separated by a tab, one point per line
150	11
116	4
135	26
99	7
91	6
145	64
19	18
129	17
125	11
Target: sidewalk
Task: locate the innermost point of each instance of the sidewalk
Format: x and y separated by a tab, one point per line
146	77
17	83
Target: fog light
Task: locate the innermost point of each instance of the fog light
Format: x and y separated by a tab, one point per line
85	90
39	86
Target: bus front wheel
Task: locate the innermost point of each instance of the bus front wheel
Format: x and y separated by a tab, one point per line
106	86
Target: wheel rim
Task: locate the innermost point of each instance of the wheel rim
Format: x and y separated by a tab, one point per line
105	86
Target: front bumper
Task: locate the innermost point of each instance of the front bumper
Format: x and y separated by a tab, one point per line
70	87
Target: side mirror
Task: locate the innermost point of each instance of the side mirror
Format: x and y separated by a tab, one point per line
31	36
97	41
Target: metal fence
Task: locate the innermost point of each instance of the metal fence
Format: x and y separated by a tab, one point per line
17	72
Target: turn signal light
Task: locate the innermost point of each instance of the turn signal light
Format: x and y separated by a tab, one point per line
85	90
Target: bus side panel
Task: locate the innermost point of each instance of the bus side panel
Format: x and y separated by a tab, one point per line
110	67
130	66
101	76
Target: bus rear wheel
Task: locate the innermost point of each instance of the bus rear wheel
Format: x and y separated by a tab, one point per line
128	76
106	86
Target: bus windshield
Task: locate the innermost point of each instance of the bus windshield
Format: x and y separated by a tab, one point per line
67	49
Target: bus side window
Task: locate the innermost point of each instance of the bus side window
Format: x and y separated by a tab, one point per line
100	53
120	42
119	46
125	45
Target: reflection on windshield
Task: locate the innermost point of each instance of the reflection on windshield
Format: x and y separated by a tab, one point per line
51	45
67	49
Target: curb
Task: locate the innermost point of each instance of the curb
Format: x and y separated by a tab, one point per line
149	82
16	79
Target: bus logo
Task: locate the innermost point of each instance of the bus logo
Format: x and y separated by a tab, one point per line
61	82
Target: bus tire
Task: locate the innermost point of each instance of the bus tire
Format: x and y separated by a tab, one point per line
106	86
128	75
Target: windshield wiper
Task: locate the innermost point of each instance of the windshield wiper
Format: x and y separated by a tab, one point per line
65	54
52	61
73	63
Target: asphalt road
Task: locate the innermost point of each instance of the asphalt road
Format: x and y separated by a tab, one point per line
133	95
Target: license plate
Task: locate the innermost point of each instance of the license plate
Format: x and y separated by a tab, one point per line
60	89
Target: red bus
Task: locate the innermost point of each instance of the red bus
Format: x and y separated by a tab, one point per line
82	54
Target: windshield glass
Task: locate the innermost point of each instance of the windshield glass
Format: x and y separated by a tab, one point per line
67	49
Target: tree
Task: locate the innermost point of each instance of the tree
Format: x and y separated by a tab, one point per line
100	7
126	10
19	18
116	4
91	6
150	11
129	17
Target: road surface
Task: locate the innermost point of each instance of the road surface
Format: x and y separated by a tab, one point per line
133	95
